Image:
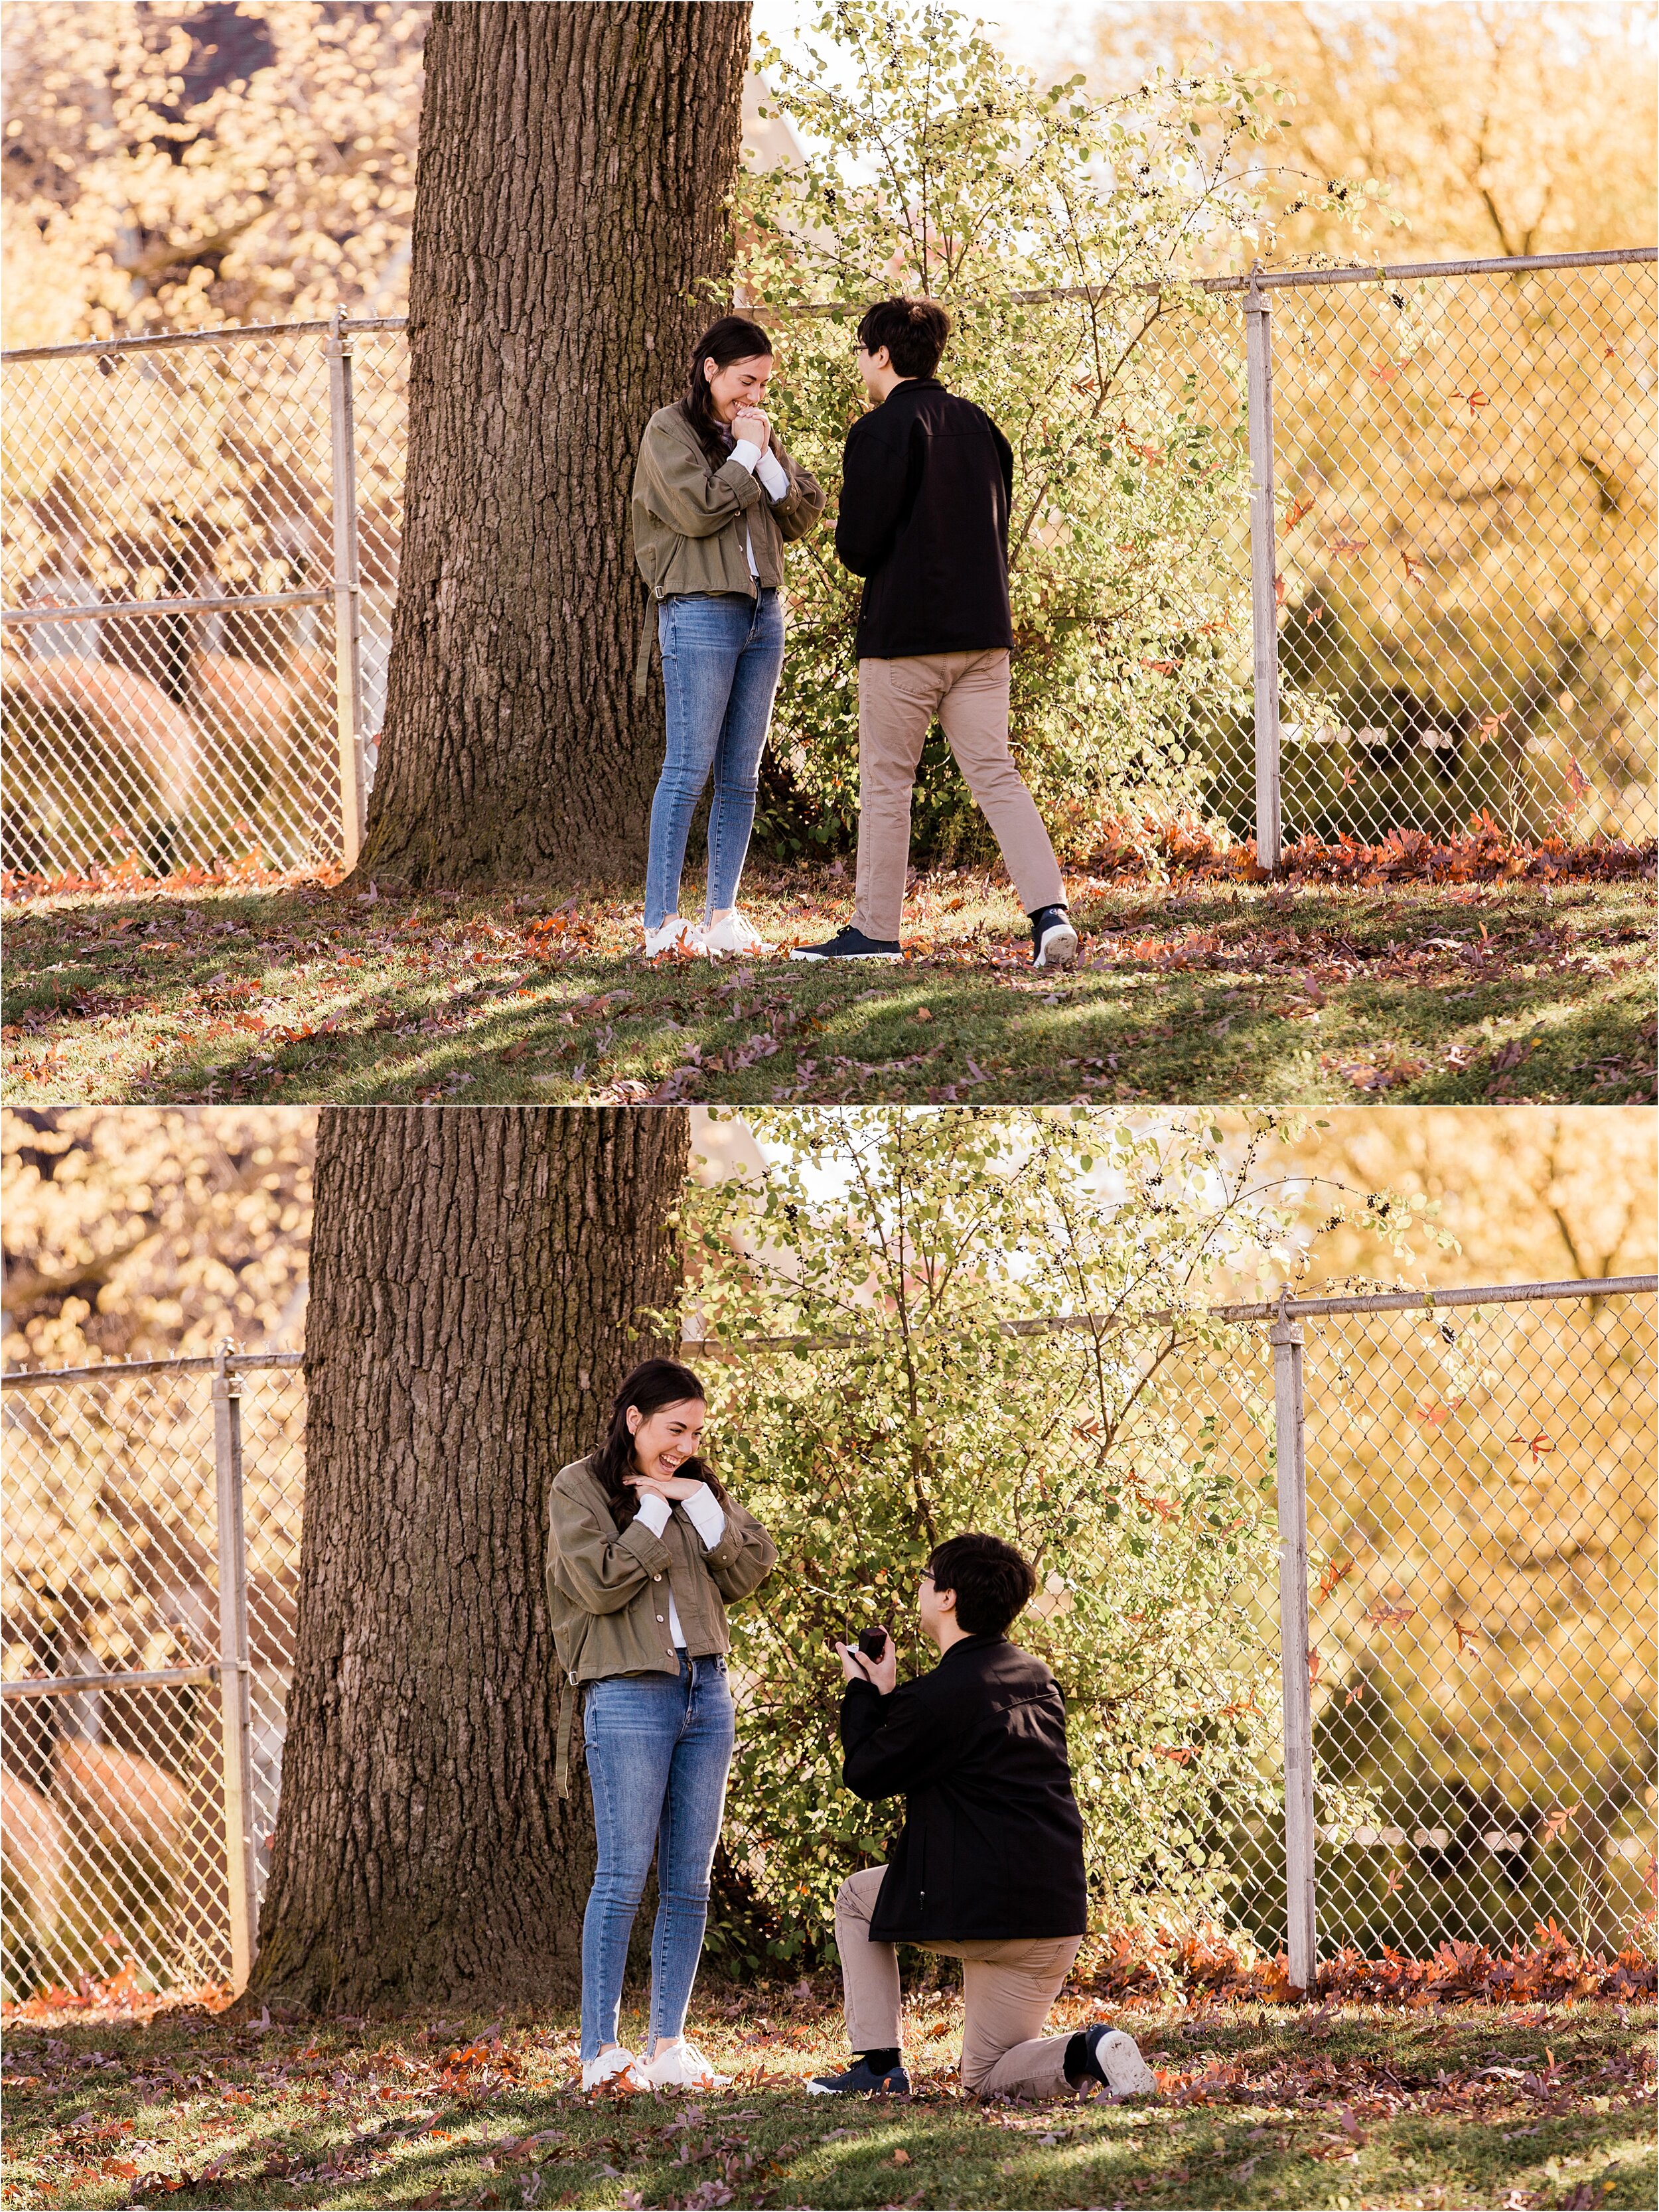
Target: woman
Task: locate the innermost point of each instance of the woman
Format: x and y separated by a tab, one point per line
646	1551
716	499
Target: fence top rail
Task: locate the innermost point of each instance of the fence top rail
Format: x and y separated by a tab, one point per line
224	334
1262	280
1283	1308
236	1363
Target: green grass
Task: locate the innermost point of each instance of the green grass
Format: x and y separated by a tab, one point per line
1345	2108
1231	993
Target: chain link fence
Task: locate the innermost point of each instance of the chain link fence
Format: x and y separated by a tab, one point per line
1437	605
149	1636
1465	1672
203	538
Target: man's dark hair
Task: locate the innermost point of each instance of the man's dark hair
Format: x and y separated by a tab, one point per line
914	331
992	1582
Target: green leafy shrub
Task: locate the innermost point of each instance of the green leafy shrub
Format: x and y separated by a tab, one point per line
882	1375
934	165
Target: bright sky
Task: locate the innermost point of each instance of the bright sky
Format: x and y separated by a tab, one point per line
1050	36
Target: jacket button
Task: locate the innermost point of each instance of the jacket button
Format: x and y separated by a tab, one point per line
659	1616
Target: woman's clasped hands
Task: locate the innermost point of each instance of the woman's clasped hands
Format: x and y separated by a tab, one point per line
749	423
671	1487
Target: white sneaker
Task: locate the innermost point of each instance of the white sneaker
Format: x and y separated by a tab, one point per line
675	936
618	2067
733	933
683	2066
1118	2056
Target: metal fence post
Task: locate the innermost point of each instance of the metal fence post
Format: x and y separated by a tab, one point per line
1264	567
348	681
1285	1337
236	1718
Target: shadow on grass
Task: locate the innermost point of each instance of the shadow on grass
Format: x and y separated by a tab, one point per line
307	995
1261	2106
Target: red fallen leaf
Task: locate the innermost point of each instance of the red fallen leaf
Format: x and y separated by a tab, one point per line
1384	372
515	1051
1178	1755
1314	1663
1386	1615
1465	1637
1557	1822
1414	568
900	2157
1296	510
1348	544
126	2168
1160	667
1336	1572
1536	1445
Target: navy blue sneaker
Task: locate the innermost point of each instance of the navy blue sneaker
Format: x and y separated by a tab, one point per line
1054	939
850	944
861	2079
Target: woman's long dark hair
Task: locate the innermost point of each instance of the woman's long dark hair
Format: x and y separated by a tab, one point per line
654	1384
732	338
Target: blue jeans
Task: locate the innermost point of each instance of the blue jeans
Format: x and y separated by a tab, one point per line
722	654
659	1746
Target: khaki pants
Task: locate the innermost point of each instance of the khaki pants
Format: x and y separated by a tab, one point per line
1007	1988
898	700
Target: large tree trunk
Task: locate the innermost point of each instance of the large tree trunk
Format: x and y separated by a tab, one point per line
570	210
475	1274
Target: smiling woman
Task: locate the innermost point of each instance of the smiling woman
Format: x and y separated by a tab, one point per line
645	1549
716	499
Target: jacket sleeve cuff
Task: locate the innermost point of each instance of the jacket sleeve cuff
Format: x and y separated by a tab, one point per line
727	1549
737	480
650	1550
860	1712
707	1515
655	1512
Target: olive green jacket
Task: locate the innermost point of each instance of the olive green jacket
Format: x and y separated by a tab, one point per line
607	1588
688	520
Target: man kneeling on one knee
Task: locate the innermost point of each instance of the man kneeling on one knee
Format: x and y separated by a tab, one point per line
988	1868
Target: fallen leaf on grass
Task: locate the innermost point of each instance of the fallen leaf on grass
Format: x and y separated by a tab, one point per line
1372	1071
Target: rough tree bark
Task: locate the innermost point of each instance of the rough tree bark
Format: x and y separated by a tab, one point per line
475	1274
570	206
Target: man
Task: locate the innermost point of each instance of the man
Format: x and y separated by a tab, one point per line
926	482
988	1868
